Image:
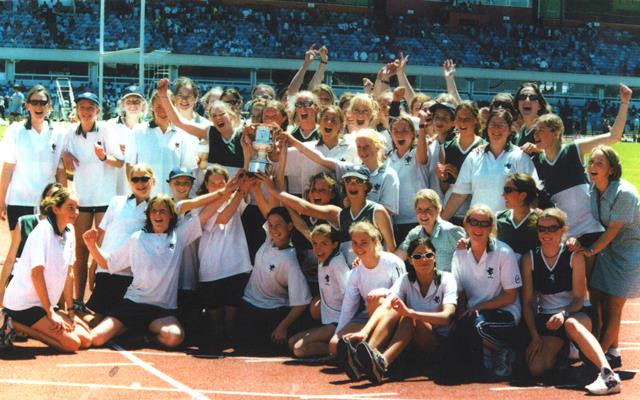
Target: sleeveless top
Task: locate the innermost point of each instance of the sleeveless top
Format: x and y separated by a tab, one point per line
27	224
227	154
346	219
552	285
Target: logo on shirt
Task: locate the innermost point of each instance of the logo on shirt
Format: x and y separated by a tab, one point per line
327	279
517	279
490	272
177	145
53	147
436	299
407	160
376	187
272	267
552	278
172	246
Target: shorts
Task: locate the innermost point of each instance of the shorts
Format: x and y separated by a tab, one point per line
494	326
541	324
27	317
400	231
223	292
588	239
138	316
93	209
15	212
360	318
255	324
108	291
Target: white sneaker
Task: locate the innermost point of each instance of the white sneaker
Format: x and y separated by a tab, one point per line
607	382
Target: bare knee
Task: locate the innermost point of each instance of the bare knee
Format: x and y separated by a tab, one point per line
572	327
70	343
171	336
536	367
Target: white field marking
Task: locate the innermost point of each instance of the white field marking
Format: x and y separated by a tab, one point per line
629	348
512	388
627	322
263	359
629	343
358	396
159	374
115	364
632	303
142	353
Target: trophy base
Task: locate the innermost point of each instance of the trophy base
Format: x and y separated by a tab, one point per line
260	167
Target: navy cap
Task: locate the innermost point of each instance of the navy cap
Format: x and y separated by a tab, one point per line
358	171
88	96
132	90
180	171
443	106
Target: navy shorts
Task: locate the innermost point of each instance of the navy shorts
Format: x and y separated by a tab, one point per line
27	317
223	292
108	291
138	316
589	239
494	326
541	324
15	212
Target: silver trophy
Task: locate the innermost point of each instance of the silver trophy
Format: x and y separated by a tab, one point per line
263	144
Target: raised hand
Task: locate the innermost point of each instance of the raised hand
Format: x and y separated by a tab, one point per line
162	86
310	54
625	93
323	52
449	68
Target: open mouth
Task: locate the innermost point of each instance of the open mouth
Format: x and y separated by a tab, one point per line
304	115
360	122
401	142
526	109
316	200
328	131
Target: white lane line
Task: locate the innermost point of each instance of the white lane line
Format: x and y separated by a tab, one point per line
115	364
147	367
357	396
629	348
632	303
142	353
629	322
629	343
514	388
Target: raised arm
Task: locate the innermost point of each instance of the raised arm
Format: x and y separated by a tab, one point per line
453	204
383	222
615	134
311	154
318	76
422	145
163	90
383	79
90	238
401	73
449	70
217	198
298	78
243	189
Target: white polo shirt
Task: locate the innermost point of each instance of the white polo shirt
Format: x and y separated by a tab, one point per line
123	218
276	280
95	181
123	136
223	250
332	280
56	253
155	262
163	151
363	280
385	182
36	157
414	177
437	296
482	175
484	280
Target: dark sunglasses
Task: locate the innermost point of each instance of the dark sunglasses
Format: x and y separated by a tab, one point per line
232	102
550	229
143	179
304	104
41	103
482	224
350	179
509	189
428	256
531	97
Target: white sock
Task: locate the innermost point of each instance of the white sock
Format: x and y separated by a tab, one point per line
487	360
613	351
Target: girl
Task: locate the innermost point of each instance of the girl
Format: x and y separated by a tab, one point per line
333	273
418	311
304	108
43	273
554	281
531	104
517	224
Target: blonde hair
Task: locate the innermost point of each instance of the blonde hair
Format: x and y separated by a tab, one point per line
368	229
555	213
141	167
235	118
291	107
554	123
484	210
364	100
430	196
375	137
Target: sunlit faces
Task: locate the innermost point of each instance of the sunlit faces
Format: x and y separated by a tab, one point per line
279	230
185	99
159	113
512	196
320	192
324	98
68	212
416	107
306	110
87	110
355	186
442	120
361	115
37	106
323	247
220	118
465	121
180	187
499	131
215	182
402	134
544	136
330	126
271	115
550	231
160	217
422	259
256	112
140	185
528	103
426	213
362	244
133	104
478	227
599	168
232	101
366	148
384	103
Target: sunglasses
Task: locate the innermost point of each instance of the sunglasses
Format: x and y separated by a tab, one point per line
304	104
231	102
350	179
482	224
550	228
41	103
531	97
427	256
143	179
509	190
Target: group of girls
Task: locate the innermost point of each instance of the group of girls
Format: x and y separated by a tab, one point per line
388	220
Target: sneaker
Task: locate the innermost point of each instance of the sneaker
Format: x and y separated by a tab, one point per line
347	355
79	306
607	382
373	363
614	361
7	333
503	362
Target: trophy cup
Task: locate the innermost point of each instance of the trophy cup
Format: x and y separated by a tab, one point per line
263	144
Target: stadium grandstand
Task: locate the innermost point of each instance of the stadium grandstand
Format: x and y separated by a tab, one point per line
577	50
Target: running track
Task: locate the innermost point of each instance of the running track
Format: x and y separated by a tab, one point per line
32	371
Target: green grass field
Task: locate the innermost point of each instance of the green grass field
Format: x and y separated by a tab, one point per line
629	154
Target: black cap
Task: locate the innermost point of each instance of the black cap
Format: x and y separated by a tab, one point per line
358	171
180	171
132	90
443	106
88	96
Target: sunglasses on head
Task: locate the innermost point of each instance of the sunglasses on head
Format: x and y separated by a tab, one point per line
304	104
357	180
550	228
509	189
531	97
143	179
38	102
427	256
475	222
